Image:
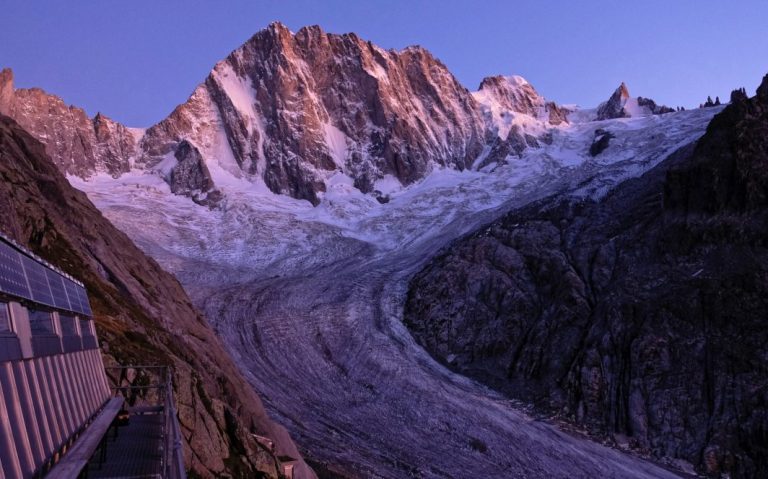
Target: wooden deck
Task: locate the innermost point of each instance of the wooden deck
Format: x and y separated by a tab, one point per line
77	458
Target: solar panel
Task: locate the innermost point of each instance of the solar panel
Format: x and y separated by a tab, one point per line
12	280
56	282
74	298
85	306
25	277
38	283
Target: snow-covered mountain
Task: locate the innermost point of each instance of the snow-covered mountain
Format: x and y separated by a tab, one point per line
292	111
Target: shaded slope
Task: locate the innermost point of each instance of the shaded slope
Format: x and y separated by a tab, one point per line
142	313
642	315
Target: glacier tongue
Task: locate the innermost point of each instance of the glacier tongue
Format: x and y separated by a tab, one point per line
309	300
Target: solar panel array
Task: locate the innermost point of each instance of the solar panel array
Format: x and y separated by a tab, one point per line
24	277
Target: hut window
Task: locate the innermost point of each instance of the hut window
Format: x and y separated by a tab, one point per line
85	327
40	322
68	325
5	318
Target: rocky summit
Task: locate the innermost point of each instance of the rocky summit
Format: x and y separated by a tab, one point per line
622	105
294	109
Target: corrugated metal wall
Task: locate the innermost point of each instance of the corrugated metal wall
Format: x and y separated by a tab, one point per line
44	401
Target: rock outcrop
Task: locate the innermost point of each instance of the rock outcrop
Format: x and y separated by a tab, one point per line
190	175
652	107
601	141
640	316
614	107
77	144
142	314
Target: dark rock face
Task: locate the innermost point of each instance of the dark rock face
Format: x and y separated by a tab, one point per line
142	313
731	170
641	315
614	107
77	144
601	141
653	107
500	148
190	175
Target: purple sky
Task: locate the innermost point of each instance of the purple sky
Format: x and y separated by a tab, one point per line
136	60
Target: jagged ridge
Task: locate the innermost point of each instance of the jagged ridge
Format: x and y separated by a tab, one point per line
292	110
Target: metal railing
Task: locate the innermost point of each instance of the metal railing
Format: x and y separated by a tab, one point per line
149	389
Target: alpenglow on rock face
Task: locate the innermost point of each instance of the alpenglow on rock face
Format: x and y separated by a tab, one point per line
295	109
77	144
515	94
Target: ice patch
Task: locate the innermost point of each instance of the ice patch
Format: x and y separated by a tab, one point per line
336	141
377	71
387	185
165	165
239	90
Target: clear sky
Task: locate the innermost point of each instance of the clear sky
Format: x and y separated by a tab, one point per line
135	60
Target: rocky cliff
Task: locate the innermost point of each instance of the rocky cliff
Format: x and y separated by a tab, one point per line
640	316
142	313
78	145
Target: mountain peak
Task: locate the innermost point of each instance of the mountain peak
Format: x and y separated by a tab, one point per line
502	81
515	94
292	110
314	30
6	76
622	91
622	105
277	26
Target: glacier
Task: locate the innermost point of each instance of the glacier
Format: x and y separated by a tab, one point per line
309	298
